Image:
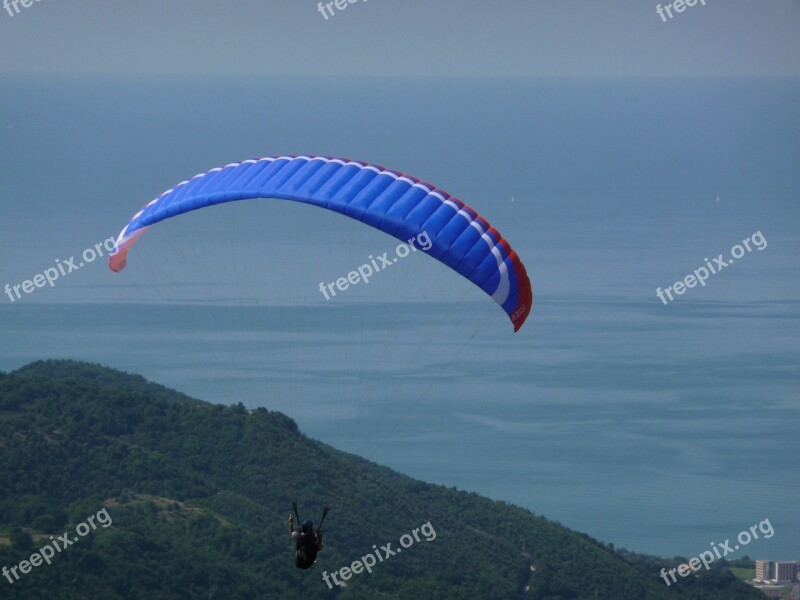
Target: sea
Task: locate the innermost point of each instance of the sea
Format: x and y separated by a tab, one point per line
661	426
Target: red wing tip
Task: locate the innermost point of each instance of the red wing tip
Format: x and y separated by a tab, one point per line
117	262
522	315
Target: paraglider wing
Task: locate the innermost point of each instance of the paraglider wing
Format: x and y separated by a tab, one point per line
397	204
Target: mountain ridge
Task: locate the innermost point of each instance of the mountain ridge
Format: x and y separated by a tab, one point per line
199	494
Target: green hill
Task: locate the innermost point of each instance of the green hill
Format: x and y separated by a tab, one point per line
198	497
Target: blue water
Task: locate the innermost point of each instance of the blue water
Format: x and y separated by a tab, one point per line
658	428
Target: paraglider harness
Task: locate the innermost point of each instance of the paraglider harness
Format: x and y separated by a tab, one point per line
307	544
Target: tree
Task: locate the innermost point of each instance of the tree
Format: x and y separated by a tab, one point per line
20	539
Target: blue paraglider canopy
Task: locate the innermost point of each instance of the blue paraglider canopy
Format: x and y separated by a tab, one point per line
397	204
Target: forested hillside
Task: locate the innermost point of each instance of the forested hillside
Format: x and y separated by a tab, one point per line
199	495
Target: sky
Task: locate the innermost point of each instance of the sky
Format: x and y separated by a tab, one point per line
513	38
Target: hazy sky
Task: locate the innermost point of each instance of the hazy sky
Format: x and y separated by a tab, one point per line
413	37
